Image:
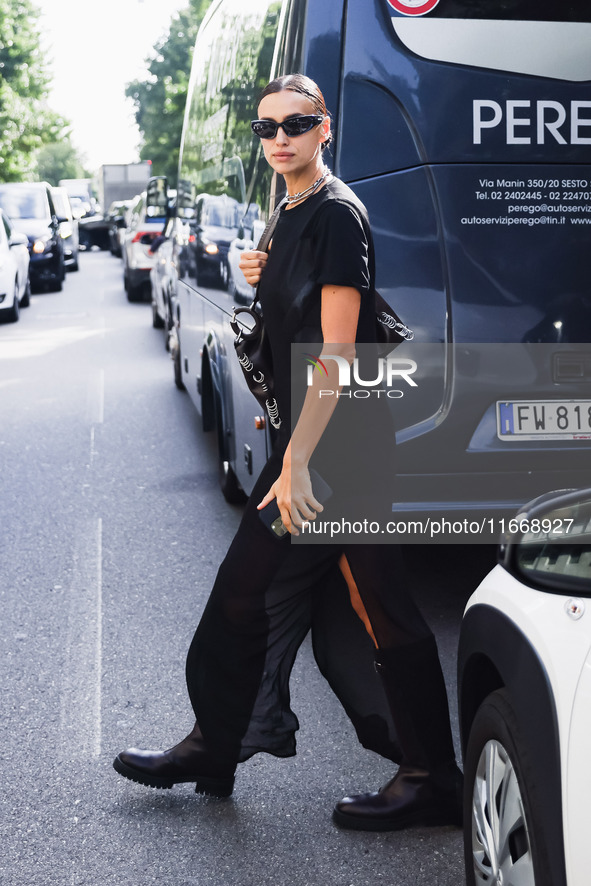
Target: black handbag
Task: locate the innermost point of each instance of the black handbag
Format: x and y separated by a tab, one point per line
390	330
254	350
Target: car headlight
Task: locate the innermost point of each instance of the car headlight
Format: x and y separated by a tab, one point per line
211	249
40	245
66	230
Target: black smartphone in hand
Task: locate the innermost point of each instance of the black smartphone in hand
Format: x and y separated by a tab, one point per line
270	513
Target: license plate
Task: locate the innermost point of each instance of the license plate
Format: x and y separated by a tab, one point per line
544	420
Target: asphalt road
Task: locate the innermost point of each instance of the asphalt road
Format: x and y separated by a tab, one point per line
111	530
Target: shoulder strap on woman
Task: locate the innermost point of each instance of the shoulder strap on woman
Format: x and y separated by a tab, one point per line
270	227
263	244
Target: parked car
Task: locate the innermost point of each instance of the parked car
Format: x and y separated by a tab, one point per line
214	228
31	208
144	224
68	228
116	222
239	290
164	276
169	260
524	684
15	287
80	207
94	231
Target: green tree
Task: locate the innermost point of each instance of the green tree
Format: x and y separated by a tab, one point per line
160	99
60	160
26	122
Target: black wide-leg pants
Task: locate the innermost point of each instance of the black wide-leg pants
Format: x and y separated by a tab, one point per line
267	595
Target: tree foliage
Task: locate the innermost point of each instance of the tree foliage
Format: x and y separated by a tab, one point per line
26	122
59	160
160	99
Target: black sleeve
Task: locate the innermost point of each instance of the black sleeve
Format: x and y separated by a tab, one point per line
340	248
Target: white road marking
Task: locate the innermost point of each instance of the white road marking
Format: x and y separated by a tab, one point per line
96	397
80	714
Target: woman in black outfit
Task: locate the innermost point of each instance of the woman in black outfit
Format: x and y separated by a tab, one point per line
316	285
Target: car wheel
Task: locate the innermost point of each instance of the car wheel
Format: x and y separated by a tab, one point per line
134	292
175	353
502	837
168	323
157	321
58	284
26	299
13	313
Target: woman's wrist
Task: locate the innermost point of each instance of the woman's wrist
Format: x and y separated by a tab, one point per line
295	463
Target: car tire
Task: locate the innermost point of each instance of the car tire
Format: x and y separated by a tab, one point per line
157	321
501	823
26	299
175	353
134	292
57	285
168	323
13	313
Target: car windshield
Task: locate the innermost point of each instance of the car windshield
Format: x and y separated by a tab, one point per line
23	203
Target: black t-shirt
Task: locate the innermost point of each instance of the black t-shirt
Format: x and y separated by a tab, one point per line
327	240
324	240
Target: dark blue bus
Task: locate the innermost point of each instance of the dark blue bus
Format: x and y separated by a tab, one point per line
465	128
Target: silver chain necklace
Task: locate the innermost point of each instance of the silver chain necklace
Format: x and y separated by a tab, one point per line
295	198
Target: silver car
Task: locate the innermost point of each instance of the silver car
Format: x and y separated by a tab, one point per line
15	289
68	227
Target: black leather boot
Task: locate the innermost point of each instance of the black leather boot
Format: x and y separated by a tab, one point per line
428	786
185	762
412	797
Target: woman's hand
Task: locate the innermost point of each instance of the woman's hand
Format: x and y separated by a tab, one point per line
252	264
295	499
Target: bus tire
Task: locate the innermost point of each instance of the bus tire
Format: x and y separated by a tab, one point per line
231	489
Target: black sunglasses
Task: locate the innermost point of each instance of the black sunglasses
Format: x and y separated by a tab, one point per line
292	127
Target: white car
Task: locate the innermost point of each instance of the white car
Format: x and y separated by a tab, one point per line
144	224
15	289
524	685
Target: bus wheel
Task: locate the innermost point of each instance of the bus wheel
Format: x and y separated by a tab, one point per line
231	489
